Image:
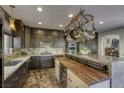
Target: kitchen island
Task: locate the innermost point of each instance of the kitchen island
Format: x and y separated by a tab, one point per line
88	76
112	65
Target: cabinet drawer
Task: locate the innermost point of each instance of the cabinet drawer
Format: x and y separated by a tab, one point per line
74	82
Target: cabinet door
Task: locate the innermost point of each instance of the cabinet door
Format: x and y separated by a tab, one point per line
46	61
12	81
74	82
35	41
18	41
47	38
0	72
23	74
18	79
22	36
27	37
35	62
55	41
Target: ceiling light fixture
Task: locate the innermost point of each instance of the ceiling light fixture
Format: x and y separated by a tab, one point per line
60	25
71	15
39	23
101	22
39	9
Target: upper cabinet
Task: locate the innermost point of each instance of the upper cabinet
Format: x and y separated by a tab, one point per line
6	23
27	37
19	35
41	37
58	40
35	41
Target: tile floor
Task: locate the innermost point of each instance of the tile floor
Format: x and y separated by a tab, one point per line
42	79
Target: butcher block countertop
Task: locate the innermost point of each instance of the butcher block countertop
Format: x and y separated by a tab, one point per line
87	74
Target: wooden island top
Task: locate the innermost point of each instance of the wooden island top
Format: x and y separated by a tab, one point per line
87	74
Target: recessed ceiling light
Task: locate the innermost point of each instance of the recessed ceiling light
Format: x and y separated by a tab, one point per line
39	9
71	15
101	22
60	25
39	23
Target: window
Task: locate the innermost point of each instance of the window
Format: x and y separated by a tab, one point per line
7	44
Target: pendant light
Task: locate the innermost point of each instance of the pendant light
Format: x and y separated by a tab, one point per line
11	19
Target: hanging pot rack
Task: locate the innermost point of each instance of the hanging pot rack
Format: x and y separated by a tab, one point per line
78	16
81	30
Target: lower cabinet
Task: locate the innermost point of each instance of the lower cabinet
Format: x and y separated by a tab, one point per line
74	82
47	61
18	78
35	62
23	74
57	69
0	72
41	62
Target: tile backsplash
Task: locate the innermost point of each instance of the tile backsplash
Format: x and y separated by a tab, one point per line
15	52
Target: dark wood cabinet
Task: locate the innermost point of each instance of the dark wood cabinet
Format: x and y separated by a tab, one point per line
35	62
19	35
18	78
47	36
41	62
35	41
27	37
47	62
23	74
12	81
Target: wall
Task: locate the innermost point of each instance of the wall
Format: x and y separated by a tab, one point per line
108	39
120	32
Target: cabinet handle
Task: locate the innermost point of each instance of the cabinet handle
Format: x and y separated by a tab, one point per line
69	79
16	78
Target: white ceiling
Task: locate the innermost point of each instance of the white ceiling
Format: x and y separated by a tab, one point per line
52	16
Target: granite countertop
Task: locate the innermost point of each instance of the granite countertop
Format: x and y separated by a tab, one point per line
9	70
99	58
87	74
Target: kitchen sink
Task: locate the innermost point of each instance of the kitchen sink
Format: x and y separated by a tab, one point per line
13	63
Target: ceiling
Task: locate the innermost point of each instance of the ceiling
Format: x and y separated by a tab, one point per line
52	16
